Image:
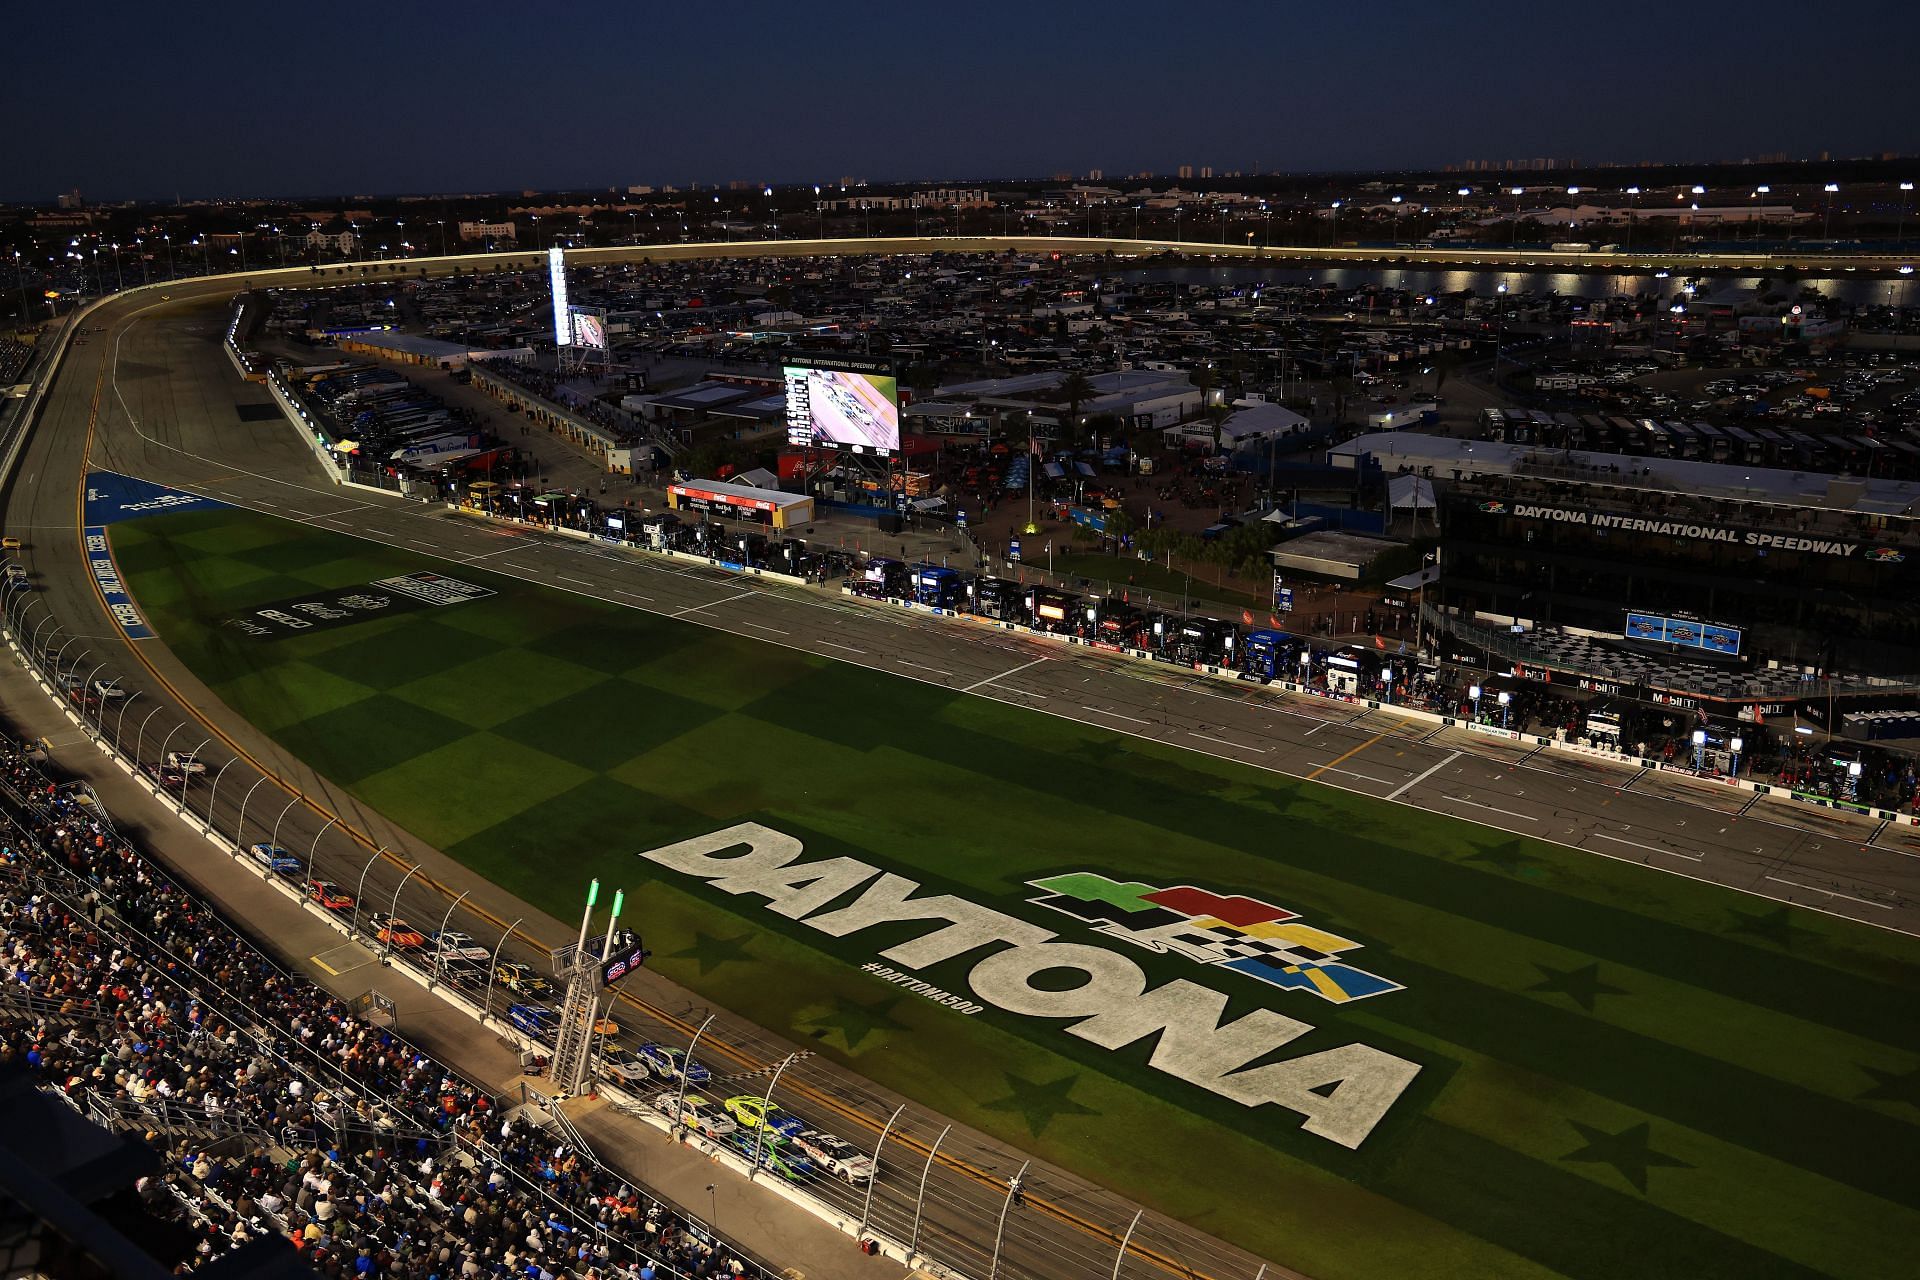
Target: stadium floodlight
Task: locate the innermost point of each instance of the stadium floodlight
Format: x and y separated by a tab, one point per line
557	286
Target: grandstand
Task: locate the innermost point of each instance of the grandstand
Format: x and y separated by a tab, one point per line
269	1109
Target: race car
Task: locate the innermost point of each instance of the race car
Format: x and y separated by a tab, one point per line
534	1019
671	1064
695	1112
836	1155
275	859
522	978
329	895
396	932
624	1067
751	1111
775	1154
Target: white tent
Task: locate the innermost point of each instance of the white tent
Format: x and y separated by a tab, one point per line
1410	492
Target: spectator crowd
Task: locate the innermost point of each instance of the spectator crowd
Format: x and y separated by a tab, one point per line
276	1109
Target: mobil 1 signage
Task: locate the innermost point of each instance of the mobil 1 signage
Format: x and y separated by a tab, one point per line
342	606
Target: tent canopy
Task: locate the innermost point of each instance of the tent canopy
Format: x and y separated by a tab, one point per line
1415	492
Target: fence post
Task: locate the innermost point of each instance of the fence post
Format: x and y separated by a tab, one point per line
1000	1232
214	797
1126	1239
353	923
493	965
240	827
920	1201
766	1101
867	1209
314	851
687	1070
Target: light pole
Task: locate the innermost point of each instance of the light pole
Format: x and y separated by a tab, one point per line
1333	241
773	218
1762	190
821	209
1826	224
1699	750
1505	699
1734	747
1500	332
1513	237
1399	208
1474	693
1633	207
1906	194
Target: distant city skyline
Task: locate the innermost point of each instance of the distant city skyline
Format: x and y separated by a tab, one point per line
243	102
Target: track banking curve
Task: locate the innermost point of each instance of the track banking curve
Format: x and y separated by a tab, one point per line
151	394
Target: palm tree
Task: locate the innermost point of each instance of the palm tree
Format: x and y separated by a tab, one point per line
1076	389
1217	415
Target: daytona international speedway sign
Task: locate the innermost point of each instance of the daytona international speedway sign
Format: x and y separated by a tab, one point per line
1685	531
1342	1092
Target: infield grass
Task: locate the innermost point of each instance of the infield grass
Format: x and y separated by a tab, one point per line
1623	1073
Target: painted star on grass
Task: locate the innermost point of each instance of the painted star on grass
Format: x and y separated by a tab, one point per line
1505	856
1770	926
1038	1103
709	952
1893	1086
1627	1151
854	1021
1582	986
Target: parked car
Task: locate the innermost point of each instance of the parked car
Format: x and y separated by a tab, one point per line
275	859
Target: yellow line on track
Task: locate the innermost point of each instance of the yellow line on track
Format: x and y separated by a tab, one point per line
1348	756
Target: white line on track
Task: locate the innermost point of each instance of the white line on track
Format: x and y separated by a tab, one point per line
1364	777
1317	728
1411	783
635	595
909	662
585	582
1650	848
1524	817
834	644
1102	711
1832	893
761	626
696	608
1004	674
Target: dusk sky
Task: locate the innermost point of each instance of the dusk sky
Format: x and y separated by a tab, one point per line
225	99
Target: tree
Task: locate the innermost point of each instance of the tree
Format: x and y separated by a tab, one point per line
1075	388
1217	415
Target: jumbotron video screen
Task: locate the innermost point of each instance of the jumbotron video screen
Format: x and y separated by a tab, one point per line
839	409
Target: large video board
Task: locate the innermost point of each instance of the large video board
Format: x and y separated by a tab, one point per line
589	327
1685	632
835	407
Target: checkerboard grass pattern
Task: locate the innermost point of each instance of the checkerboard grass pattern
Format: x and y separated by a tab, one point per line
1623	1073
